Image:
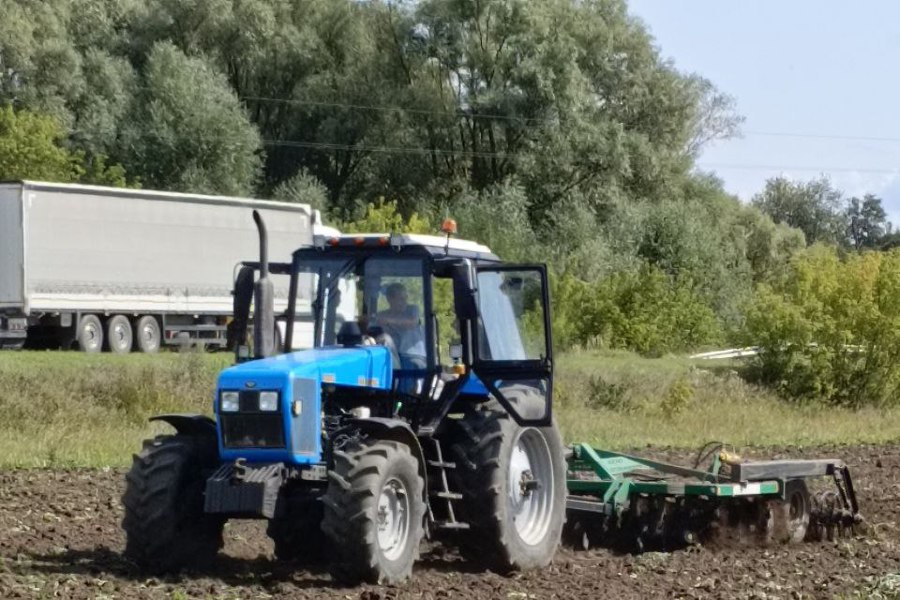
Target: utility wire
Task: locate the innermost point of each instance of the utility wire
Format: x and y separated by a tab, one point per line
387	149
412	150
401	109
551	120
821	169
823	136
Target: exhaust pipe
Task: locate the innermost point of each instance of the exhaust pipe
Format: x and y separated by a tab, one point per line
264	298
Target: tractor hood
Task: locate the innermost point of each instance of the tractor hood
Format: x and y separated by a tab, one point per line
292	432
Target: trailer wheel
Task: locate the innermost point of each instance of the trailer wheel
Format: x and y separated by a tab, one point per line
17	345
118	334
90	334
789	518
165	526
147	338
513	482
374	512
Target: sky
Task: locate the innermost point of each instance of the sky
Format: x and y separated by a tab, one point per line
818	82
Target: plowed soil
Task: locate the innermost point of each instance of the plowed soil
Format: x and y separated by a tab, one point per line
60	537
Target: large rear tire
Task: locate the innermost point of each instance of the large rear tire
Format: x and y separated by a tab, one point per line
165	526
513	484
374	512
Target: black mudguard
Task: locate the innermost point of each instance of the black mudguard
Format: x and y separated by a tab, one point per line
399	431
189	424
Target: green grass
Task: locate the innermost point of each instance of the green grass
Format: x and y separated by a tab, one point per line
70	409
618	400
67	409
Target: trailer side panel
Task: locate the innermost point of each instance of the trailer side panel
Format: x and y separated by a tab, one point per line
12	256
105	252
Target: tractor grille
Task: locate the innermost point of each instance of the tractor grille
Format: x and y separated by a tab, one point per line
252	430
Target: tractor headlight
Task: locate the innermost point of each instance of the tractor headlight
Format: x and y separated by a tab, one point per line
268	401
230	402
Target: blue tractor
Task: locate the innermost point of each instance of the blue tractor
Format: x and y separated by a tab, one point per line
421	408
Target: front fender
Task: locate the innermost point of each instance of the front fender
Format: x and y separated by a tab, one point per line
398	431
189	424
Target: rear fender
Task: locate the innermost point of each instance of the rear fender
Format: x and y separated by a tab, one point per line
398	431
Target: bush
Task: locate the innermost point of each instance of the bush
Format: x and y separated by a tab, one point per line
383	216
645	311
830	329
302	188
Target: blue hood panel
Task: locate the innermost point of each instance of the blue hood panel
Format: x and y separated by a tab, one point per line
299	376
347	366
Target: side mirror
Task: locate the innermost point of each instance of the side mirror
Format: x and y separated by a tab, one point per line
464	304
243	298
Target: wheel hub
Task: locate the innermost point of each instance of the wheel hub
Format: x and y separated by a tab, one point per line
392	519
530	497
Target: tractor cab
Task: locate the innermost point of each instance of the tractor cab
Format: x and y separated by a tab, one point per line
452	318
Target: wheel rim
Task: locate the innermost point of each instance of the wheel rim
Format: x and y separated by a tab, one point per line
148	335
120	335
531	486
393	519
90	335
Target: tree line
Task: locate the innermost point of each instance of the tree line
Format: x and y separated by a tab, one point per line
552	131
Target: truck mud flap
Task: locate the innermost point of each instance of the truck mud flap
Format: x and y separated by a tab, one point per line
242	490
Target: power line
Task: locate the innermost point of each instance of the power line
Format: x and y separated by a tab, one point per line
464	113
413	150
387	149
388	108
821	169
823	136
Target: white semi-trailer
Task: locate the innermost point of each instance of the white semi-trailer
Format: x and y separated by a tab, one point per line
105	268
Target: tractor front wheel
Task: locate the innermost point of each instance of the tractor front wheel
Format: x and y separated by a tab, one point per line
297	534
165	526
374	512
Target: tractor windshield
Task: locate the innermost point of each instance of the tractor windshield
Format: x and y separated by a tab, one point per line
384	296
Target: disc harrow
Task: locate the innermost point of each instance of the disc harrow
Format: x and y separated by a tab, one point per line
634	504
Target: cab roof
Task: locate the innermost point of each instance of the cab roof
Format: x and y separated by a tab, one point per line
433	244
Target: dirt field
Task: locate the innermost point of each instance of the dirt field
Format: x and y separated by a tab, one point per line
60	538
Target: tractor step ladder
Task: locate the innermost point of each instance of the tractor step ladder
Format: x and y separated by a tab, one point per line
440	489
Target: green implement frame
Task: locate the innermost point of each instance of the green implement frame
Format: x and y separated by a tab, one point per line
613	478
617	487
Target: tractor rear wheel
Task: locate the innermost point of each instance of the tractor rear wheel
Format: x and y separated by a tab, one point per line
165	526
374	512
513	482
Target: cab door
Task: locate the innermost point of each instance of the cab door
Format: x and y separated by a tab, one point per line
512	346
